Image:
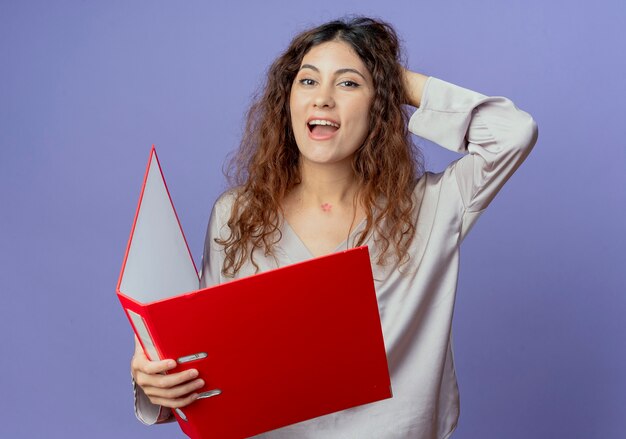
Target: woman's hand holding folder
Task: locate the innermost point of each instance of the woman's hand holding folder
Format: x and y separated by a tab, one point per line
171	390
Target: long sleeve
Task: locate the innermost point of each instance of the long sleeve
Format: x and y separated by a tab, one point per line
213	255
492	131
147	412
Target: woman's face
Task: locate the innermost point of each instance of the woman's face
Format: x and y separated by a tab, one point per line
330	103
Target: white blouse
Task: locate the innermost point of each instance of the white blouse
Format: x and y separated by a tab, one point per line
416	301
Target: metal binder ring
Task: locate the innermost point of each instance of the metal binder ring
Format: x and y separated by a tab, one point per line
181	414
209	394
192	357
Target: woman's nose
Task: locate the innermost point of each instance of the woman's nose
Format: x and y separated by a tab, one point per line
324	98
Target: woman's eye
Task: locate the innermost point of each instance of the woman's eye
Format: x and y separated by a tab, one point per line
307	81
349	84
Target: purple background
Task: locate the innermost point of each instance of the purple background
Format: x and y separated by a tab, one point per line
87	87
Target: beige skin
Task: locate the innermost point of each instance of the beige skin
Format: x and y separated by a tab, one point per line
332	84
323	88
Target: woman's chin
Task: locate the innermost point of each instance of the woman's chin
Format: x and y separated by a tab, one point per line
326	159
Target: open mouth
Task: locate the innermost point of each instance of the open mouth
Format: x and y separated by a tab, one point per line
322	128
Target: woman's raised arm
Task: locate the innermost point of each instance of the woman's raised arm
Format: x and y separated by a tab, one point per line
492	131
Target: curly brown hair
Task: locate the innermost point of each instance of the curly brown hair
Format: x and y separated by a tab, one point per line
266	166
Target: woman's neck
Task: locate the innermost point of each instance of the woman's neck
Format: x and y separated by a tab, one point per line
326	185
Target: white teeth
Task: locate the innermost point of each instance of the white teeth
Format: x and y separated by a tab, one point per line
323	122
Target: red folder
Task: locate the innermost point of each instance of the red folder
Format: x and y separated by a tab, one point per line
274	348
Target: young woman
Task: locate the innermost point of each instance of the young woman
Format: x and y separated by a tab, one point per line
327	163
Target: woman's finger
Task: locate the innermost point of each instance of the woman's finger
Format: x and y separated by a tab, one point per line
165	381
142	364
174	392
174	403
156	367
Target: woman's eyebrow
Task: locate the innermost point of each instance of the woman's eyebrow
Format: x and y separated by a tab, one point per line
337	72
342	71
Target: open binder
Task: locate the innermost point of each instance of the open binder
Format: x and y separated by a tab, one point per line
274	348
